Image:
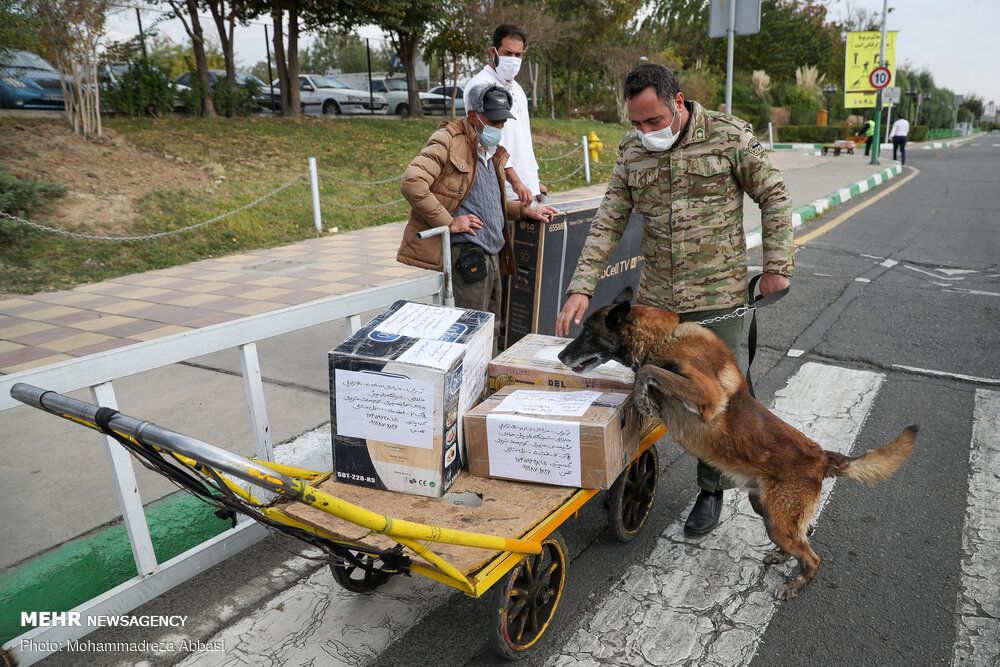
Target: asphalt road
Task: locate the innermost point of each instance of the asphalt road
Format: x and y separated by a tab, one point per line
903	296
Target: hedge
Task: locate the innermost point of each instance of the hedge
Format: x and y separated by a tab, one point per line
918	133
809	134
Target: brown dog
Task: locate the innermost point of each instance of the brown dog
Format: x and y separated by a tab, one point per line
687	377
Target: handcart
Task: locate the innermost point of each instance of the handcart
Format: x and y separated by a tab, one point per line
506	546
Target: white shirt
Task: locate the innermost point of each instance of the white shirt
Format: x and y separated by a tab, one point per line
900	128
516	131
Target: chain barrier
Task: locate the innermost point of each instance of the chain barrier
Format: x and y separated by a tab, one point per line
564	178
388	203
347	180
565	155
91	237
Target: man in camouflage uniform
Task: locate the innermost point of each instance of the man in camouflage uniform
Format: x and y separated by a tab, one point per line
685	170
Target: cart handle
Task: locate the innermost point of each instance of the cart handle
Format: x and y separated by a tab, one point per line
445	233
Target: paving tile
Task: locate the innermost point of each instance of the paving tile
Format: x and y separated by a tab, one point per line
22	355
26	306
111	344
331	288
214	287
22	327
75	318
168	314
272	281
104	322
214	318
265	293
141	293
225	304
46	360
48	313
9	346
130	329
70	343
122	306
257	307
160	332
7	304
188	299
44	336
297	297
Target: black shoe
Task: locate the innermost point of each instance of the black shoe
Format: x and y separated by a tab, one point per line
704	516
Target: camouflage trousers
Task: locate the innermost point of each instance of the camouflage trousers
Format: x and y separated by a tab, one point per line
731	333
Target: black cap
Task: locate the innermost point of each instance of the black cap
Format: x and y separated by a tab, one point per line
496	104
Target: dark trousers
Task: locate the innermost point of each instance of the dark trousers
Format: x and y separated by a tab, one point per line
899	143
868	144
731	333
483	295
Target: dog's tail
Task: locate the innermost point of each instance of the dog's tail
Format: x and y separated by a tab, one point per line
874	465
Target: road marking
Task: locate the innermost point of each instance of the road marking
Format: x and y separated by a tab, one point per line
823	229
709	602
978	623
954	376
931	273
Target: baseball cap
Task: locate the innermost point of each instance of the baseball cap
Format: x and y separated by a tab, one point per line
496	105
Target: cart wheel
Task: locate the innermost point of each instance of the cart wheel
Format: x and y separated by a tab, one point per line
357	579
525	600
630	499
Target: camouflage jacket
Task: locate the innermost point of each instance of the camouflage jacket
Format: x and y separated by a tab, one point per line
691	201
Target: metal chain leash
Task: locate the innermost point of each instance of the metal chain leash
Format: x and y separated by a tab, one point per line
347	180
388	203
565	155
739	312
91	237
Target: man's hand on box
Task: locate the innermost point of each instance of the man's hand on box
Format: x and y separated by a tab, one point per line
541	213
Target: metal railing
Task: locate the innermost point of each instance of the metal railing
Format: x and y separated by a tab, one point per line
98	373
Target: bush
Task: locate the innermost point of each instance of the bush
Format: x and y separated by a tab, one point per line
801	105
918	133
18	195
228	100
809	134
141	90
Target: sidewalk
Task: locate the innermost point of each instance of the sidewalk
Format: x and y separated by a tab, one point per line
45	328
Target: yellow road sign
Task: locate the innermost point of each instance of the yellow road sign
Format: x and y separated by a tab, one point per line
862	57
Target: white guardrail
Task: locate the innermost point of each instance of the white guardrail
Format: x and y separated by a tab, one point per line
97	372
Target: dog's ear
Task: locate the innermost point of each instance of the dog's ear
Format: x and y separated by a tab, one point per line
626	295
618	314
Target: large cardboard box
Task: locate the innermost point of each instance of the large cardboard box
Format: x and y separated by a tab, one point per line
533	361
566	437
398	389
545	256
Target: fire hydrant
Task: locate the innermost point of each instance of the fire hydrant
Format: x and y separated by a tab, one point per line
595	146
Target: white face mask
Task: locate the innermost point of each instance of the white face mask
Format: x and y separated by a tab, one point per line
662	139
508	67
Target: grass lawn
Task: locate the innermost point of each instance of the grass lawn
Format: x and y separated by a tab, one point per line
242	159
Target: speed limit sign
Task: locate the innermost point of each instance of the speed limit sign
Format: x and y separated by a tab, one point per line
880	78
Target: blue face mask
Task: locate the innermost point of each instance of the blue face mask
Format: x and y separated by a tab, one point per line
490	136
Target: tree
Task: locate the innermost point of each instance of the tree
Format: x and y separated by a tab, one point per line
224	17
187	12
19	26
70	30
335	49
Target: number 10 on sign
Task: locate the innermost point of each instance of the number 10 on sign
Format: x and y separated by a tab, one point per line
880	77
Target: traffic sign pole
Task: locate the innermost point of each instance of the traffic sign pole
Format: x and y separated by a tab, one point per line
875	81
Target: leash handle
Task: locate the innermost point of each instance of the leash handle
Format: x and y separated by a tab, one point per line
755	303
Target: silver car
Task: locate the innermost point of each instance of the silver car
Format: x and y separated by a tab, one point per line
332	96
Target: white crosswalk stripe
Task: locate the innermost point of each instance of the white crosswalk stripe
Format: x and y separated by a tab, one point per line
710	603
978	626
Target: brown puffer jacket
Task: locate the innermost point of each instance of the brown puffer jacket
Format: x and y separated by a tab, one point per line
436	183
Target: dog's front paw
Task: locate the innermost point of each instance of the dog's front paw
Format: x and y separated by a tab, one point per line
790	589
642	394
776	557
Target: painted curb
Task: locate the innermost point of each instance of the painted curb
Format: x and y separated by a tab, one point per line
820	206
85	568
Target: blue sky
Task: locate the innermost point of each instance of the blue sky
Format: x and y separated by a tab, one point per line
956	40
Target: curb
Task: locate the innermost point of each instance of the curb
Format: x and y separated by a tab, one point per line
85	568
820	206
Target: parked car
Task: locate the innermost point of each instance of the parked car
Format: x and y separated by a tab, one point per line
330	95
261	91
397	95
441	102
28	81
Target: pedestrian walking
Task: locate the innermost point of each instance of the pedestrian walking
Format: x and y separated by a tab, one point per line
898	135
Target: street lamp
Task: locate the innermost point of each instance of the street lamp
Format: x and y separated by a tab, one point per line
912	94
828	90
920	101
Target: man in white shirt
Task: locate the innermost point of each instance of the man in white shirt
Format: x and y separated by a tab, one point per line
505	55
898	135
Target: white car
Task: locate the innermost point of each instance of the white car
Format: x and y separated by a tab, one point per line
332	96
398	96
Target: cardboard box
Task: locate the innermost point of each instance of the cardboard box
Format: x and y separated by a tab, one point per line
398	390
545	256
518	434
533	361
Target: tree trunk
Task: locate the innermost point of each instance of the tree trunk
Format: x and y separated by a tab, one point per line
224	25
408	54
294	96
533	74
197	36
278	42
569	85
551	89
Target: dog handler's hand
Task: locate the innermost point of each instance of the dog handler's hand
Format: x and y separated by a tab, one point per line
465	223
772	282
574	308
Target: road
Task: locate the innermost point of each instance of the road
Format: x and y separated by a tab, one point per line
891	321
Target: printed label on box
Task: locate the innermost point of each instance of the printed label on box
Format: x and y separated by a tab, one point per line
388	408
418	320
536	450
564	403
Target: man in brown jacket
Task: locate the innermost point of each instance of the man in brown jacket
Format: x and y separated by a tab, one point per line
458	180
